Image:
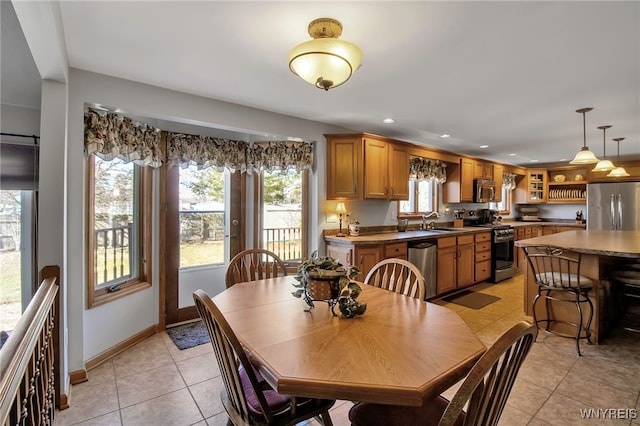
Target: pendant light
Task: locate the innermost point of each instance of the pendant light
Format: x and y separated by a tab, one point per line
584	156
604	165
325	61
618	171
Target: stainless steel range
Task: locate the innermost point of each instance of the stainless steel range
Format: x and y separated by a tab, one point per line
502	254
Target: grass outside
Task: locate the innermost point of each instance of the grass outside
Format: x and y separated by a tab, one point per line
10	277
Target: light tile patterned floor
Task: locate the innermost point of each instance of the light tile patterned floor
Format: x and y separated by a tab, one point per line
154	383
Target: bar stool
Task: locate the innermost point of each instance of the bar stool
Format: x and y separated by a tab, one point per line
557	273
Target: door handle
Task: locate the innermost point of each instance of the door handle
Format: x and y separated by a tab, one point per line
613	211
619	226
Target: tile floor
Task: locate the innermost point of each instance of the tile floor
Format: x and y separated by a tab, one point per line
154	383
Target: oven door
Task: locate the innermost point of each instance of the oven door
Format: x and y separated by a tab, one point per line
502	258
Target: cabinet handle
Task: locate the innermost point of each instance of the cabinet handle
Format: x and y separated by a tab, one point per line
349	258
361	259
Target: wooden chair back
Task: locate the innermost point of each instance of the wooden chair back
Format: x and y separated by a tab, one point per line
489	382
397	275
254	264
232	358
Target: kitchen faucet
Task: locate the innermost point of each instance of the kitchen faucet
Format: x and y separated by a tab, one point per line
428	216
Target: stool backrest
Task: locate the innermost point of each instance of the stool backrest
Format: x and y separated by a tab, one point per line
555	267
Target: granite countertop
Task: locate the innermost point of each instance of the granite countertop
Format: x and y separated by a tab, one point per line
604	243
387	237
519	223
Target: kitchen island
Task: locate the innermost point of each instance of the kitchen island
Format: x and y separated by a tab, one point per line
601	250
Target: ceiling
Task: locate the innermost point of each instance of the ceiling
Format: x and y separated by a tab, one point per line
509	75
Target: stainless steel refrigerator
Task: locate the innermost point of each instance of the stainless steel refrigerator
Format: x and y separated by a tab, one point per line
613	206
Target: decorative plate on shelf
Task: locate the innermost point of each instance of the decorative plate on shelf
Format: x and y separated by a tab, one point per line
559	178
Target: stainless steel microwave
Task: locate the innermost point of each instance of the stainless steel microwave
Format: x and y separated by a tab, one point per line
484	191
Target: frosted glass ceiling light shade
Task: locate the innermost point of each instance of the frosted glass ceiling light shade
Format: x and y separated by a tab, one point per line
604	165
618	171
584	156
325	61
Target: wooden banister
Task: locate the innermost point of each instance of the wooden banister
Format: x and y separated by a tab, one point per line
29	360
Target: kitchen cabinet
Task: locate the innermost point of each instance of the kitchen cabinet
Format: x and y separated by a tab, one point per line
567	185
363	166
482	256
345	162
459	185
366	256
523	233
455	263
498	170
483	170
533	188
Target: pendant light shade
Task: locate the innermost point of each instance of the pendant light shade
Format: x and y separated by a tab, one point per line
604	165
584	156
325	61
618	171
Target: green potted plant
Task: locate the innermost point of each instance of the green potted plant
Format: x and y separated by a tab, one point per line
325	279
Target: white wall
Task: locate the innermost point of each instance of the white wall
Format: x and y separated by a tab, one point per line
107	325
21	120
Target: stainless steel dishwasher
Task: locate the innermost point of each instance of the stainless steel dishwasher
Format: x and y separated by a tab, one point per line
423	255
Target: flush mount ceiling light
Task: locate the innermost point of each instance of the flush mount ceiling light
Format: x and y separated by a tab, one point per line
584	156
618	171
604	165
388	121
325	61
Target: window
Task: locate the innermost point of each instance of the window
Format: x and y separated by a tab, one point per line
120	229
423	198
282	213
504	206
202	216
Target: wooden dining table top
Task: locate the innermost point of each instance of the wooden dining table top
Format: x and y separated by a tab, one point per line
402	351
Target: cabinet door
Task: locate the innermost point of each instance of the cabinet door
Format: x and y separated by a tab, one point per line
342	253
478	170
483	271
537	189
487	171
366	258
344	168
375	174
398	172
446	269
497	178
465	267
467	168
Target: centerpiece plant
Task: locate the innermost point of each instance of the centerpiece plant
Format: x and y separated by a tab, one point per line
325	279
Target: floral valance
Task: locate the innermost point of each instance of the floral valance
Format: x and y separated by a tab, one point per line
508	181
109	136
424	168
204	151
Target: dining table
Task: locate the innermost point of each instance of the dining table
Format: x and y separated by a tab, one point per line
401	351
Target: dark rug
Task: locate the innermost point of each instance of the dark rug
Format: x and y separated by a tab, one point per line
189	335
471	299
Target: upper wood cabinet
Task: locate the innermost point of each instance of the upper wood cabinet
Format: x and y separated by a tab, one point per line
363	166
533	188
482	169
344	167
497	178
459	185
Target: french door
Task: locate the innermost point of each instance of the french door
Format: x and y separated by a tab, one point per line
201	229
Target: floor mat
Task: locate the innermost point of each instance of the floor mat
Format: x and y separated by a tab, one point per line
471	299
189	335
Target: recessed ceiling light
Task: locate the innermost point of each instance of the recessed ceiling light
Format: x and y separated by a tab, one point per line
388	121
512	154
533	161
563	159
484	146
445	135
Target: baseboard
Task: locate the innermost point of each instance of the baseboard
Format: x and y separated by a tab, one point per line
120	347
78	376
62	400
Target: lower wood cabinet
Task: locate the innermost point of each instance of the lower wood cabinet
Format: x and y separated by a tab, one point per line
364	257
455	265
482	256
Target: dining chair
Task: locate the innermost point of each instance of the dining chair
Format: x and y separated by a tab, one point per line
254	264
246	396
556	272
485	390
397	275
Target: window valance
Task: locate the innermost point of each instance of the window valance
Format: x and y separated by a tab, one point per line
109	136
424	168
509	181
204	151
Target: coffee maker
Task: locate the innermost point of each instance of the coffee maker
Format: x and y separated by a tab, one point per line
486	216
